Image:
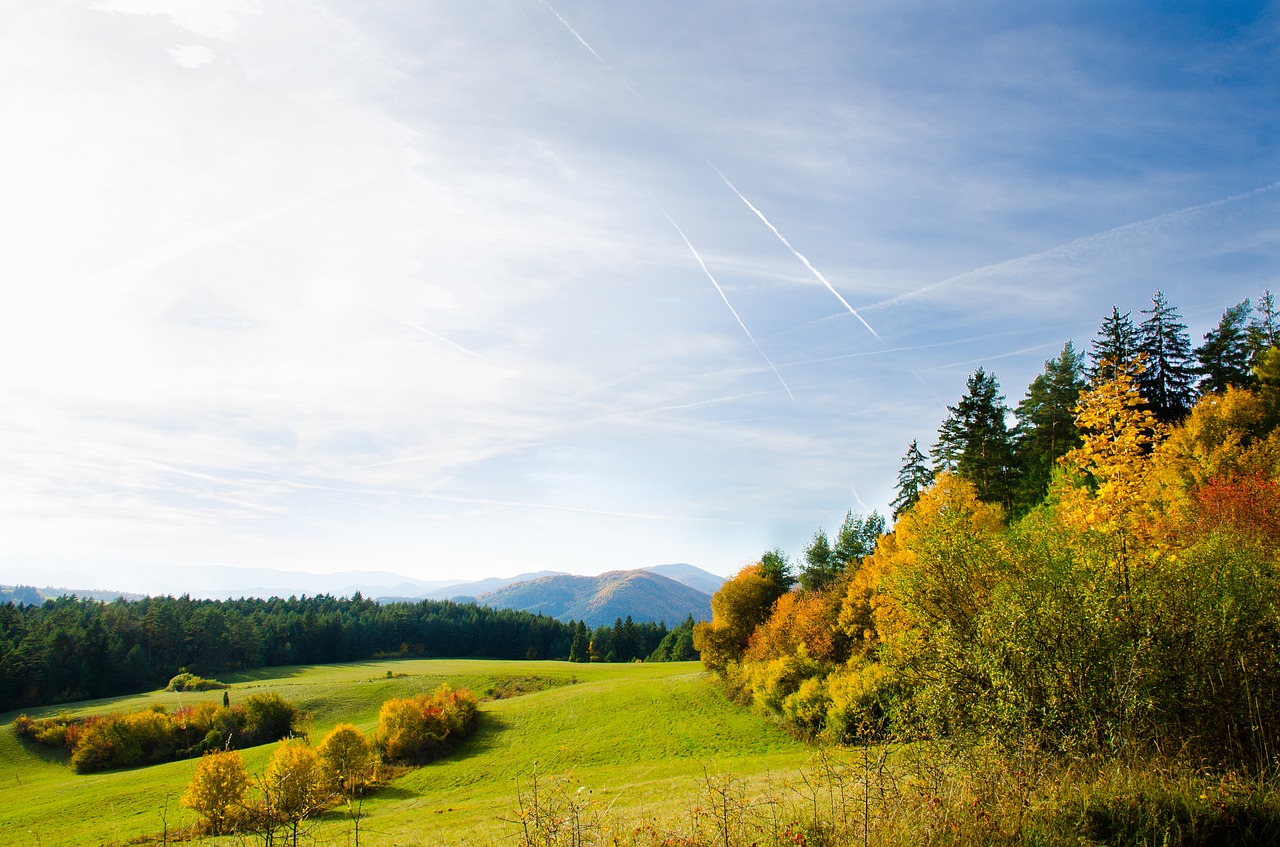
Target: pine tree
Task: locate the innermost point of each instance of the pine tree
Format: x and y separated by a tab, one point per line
1225	357
1046	426
1167	378
974	440
1115	345
913	478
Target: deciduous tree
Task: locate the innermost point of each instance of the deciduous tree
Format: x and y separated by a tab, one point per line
347	758
217	790
293	786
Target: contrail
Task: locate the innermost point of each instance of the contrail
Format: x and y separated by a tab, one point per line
822	279
438	337
759	214
590	49
1071	249
725	298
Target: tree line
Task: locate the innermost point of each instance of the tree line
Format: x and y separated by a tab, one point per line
69	648
1100	579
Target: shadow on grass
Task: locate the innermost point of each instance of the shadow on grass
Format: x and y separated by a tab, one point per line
485	737
48	755
261	674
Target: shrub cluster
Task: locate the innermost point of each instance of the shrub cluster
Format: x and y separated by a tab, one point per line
418	729
151	736
1134	610
299	782
187	681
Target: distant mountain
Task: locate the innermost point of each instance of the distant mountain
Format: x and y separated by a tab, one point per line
470	590
704	581
599	600
113	576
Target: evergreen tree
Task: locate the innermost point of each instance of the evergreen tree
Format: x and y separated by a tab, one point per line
1167	378
913	478
974	440
579	651
1115	345
774	566
1225	357
820	568
856	539
1046	426
1264	329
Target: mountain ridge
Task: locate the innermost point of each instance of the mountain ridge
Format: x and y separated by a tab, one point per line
642	594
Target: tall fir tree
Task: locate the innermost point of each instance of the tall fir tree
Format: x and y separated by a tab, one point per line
1167	380
1115	345
1264	329
1225	358
1046	427
974	440
914	477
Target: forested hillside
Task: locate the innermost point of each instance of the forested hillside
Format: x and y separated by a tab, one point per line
1101	578
74	649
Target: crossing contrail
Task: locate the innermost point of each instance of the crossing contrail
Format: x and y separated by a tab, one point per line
725	298
817	274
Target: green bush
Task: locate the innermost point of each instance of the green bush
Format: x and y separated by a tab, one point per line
190	682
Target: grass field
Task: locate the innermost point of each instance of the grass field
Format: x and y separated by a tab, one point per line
639	738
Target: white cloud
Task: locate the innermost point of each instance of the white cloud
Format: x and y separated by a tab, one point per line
191	55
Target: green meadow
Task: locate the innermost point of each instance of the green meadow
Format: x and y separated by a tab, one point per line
637	740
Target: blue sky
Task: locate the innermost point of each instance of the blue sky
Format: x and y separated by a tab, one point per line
471	289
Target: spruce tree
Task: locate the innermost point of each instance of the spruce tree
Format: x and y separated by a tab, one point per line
974	440
913	478
1115	345
1046	427
1225	357
1167	378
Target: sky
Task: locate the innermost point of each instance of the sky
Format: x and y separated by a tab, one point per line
469	289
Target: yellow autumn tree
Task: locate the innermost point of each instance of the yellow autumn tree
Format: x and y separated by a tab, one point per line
742	603
217	790
1108	472
936	580
293	785
347	757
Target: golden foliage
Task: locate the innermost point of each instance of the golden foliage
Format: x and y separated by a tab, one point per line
347	757
294	782
217	789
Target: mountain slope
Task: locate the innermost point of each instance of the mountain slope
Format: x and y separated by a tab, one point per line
694	577
599	600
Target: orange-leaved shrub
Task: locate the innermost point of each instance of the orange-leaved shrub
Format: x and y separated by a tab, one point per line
418	729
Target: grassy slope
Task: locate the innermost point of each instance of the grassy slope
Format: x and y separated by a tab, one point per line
638	736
